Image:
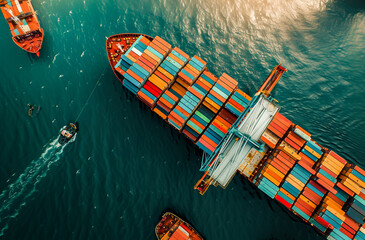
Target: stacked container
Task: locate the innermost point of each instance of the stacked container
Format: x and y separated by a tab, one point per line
203	115
273	174
360	235
276	130
149	59
330	167
289	189
186	78
354	179
286	195
300	176
163	78
192	70
132	54
238	102
214	101
311	152
294	141
172	96
186	107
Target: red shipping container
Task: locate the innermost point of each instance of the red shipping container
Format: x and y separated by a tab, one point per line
303	209
145	98
345	189
283	119
146	62
311	195
306	167
144	66
279	167
328	171
145	41
306	159
133	54
163	42
135	76
275	131
317	186
293	144
348	228
323	222
209	141
325	185
282	201
280	163
295	138
158	49
189	135
207	145
361	171
155	91
351	223
280	124
347	233
163	104
305	205
229	78
175	118
148	58
161	46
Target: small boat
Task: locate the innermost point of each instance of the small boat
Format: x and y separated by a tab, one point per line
174	228
24	25
68	132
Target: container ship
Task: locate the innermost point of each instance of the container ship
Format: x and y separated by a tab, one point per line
24	25
242	134
174	228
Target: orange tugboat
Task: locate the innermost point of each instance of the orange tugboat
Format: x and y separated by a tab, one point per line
174	228
117	45
23	23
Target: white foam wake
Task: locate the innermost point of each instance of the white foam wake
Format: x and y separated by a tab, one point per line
14	197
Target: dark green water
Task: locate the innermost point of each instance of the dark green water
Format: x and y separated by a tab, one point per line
126	166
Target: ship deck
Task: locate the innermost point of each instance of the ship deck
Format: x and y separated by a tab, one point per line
283	161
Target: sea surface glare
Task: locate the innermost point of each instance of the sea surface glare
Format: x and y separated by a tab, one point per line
127	166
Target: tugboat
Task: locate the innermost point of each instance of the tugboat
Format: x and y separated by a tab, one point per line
68	132
174	228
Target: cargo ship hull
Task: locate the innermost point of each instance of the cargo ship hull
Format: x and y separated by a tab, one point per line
24	25
245	135
174	228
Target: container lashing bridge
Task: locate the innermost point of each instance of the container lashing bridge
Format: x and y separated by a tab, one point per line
243	137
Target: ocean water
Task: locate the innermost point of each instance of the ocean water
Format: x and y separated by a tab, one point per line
126	166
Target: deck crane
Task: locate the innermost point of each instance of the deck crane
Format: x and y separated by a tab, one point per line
24	28
243	137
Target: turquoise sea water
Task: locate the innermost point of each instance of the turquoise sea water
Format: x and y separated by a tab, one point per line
127	166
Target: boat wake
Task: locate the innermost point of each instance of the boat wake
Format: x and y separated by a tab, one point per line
14	197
